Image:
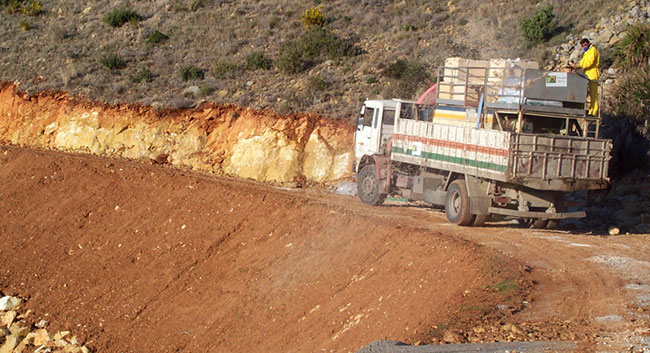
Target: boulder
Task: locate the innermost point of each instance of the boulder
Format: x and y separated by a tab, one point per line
9	303
10	343
605	36
41	337
8	318
191	91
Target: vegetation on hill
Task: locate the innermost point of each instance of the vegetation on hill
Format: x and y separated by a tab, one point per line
322	56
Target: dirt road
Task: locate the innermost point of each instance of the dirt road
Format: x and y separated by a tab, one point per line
143	257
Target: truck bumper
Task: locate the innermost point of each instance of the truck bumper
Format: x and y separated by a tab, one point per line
539	215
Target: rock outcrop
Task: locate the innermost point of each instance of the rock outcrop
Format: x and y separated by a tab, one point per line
221	139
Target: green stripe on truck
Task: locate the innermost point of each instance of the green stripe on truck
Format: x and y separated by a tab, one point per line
451	159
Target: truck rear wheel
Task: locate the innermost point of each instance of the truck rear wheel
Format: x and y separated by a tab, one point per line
368	187
537	223
479	219
457	204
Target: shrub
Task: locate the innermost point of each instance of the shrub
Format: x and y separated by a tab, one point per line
223	69
540	26
632	94
32	8
143	75
181	5
191	72
112	61
119	16
410	75
27	7
290	59
256	61
408	27
205	91
323	43
156	37
313	17
633	50
25	25
317	84
315	45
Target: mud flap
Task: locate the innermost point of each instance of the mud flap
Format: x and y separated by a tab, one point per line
480	205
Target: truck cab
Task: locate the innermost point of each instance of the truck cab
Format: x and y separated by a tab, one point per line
375	127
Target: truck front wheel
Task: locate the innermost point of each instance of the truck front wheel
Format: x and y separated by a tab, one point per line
368	186
457	204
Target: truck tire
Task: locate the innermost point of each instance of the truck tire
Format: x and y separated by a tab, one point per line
537	223
368	186
560	206
479	219
457	204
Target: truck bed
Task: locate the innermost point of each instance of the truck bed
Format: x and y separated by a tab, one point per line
543	162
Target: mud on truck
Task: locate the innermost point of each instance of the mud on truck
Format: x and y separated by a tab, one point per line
497	138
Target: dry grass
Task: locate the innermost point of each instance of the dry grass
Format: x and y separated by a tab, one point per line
219	35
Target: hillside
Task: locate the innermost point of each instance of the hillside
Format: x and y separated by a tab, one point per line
245	51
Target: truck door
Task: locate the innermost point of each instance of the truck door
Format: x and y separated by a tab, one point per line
363	137
387	126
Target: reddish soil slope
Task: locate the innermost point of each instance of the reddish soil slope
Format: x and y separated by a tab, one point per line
145	258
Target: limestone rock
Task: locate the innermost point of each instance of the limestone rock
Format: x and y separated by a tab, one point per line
18	330
10	343
605	36
191	91
59	335
41	337
8	318
9	303
451	337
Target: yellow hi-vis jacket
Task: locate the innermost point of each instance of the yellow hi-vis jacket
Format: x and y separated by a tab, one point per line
590	62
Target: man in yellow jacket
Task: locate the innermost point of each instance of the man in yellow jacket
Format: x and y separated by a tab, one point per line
589	63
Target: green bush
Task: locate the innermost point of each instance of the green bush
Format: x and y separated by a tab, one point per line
313	17
315	45
26	7
119	16
633	50
317	84
325	44
205	91
112	61
256	61
32	8
631	97
25	25
224	69
540	26
408	77
183	5
191	72
156	37
290	60
143	75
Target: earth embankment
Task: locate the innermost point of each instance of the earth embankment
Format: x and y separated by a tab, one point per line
143	258
222	139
